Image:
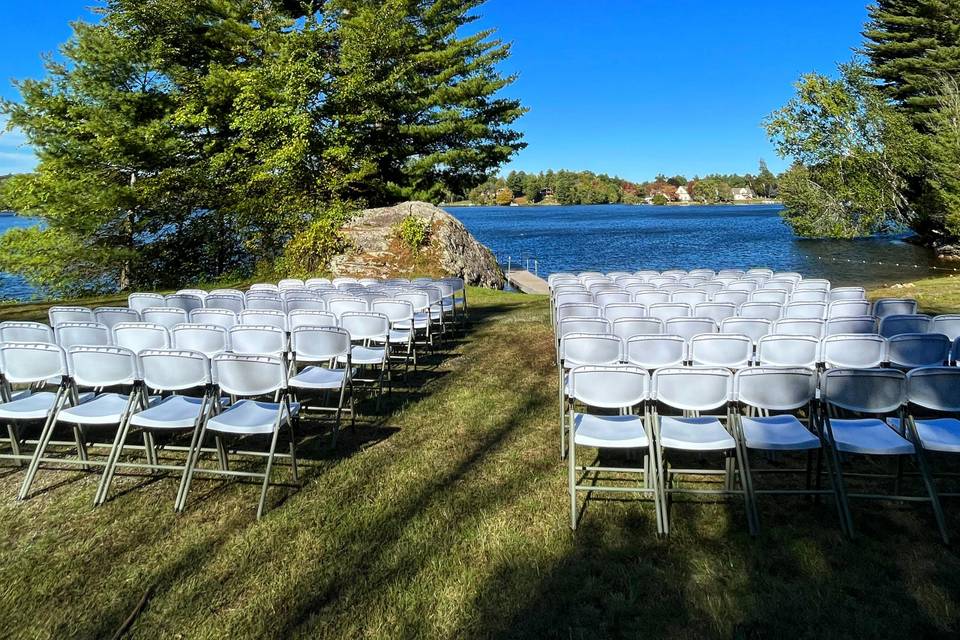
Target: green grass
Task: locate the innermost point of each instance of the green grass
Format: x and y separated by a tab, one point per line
447	518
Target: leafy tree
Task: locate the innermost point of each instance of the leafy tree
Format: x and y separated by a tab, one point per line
504	196
677	181
659	199
710	190
851	149
945	154
911	43
765	184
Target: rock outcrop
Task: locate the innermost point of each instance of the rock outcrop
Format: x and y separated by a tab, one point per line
450	250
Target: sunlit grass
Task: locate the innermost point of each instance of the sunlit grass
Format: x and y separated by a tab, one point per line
448	518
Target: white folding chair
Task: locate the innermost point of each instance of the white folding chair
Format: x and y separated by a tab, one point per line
716	311
788	351
229	301
112	316
652	352
799	327
261	317
669	310
689	296
73	334
756	328
221	317
400	313
947	324
208	339
772	296
879	394
186	301
687	328
853	324
626	328
884	307
59	315
305	318
264	339
304	304
184	379
620	388
892	325
812	310
263	303
320	348
933	409
721	350
578	349
370	334
766	310
164	316
773	396
138	336
616	310
912	350
96	368
647	298
731	296
853	351
848	309
848	293
140	302
21	331
702	390
248	377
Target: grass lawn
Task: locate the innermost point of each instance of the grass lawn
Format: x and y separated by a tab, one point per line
447	518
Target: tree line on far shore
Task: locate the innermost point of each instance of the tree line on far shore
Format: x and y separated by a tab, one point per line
586	187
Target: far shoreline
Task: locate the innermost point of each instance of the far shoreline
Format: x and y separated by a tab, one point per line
740	203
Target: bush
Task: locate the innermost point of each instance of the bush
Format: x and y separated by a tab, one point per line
413	232
308	253
659	199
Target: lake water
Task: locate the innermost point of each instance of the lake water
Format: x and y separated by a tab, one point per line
14	287
624	237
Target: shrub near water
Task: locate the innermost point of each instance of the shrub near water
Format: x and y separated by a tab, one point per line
309	252
413	232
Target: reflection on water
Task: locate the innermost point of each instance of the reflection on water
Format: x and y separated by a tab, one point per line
14	287
622	237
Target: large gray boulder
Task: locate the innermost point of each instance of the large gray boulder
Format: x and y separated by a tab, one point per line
376	251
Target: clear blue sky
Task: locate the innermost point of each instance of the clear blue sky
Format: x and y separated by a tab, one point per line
626	87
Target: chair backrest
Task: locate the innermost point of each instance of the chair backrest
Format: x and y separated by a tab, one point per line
854	324
813	284
608	297
263	303
232	292
716	311
655	351
732	296
810	295
884	307
138	336
583	325
59	315
874	391
935	388
72	334
186	301
305	318
646	274
788	351
305	304
219	316
578	310
165	316
689	296
892	325
799	327
626	328
32	362
249	375
777	296
589	348
848	308
340	306
276	319
232	302
756	328
616	310
143	301
257	339
19	331
310	282
112	316
853	351
669	310
948	325
208	339
848	293
689	327
812	310
319	344
693	388
648	298
786	286
910	350
395	310
365	325
775	388
610	387
721	350
102	366
174	369
264	286
288	283
766	310
742	286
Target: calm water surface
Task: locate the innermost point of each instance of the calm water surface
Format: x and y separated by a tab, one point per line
14	287
624	237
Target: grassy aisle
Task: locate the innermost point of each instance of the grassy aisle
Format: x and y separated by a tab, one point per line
448	519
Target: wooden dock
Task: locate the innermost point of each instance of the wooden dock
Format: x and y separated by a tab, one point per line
523	280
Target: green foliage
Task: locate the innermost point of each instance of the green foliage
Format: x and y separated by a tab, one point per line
911	44
945	154
503	196
184	139
852	150
659	199
414	232
565	187
308	253
711	190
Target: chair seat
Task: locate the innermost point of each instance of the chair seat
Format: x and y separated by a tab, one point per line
420	321
29	405
694	434
621	432
249	417
937	434
398	336
318	378
869	436
778	433
173	412
106	408
365	355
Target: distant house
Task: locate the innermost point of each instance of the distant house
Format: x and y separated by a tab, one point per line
683	195
743	193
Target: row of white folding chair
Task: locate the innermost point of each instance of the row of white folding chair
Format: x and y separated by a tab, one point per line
837	308
882	395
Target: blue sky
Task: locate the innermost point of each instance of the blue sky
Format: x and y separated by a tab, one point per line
625	87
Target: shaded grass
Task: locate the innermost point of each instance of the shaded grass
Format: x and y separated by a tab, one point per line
447	518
